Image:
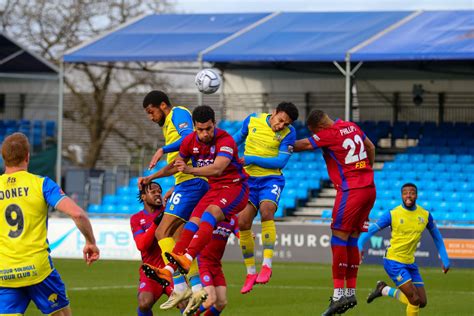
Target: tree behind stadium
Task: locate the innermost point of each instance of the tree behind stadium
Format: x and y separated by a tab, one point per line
51	27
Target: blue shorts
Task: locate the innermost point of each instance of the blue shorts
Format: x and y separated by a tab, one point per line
48	295
185	197
265	189
401	273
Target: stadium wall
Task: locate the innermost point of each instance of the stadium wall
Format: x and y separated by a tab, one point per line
30	99
295	243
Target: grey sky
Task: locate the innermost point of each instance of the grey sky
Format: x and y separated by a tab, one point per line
202	6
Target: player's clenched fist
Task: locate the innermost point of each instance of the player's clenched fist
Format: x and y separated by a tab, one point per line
91	253
181	165
143	181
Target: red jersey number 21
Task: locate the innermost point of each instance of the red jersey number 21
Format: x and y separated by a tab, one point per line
352	146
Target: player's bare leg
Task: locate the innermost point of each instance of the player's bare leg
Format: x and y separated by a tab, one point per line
414	298
66	311
215	302
247	245
382	289
211	300
146	300
267	213
221	298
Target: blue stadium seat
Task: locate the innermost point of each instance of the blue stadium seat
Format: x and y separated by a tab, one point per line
123	209
125	199
464	159
126	190
108	208
387	194
390	166
326	214
442	207
133	182
50	128
444	177
417	158
402	157
460	206
279	212
426	205
449	159
94	209
438	167
109	199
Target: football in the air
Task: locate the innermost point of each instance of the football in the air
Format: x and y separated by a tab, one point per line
207	81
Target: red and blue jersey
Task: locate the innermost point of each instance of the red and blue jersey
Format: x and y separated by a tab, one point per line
143	230
214	251
202	154
344	152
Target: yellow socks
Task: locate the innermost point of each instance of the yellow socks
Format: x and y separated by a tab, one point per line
413	310
268	238
166	245
247	244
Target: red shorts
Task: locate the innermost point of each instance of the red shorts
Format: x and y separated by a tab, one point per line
351	209
231	199
211	275
149	285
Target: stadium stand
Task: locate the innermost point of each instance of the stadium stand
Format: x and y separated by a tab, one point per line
39	132
441	165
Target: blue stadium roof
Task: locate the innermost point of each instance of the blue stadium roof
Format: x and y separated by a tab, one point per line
441	35
317	36
165	37
287	37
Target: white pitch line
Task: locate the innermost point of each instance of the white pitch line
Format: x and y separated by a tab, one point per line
98	288
281	287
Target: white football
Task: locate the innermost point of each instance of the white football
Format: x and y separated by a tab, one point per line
207	81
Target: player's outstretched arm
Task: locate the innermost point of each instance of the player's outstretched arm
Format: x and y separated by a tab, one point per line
164	172
303	145
373	228
278	162
79	216
438	240
212	170
156	157
370	148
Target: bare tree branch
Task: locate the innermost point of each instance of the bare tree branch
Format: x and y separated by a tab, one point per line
50	27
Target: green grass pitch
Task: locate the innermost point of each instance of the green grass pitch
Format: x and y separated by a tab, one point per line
110	287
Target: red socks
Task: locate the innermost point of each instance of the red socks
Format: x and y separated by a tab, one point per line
202	238
353	260
339	261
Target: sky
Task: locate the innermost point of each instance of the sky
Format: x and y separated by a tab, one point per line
218	6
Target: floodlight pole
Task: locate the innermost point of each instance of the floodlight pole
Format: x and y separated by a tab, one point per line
348	91
60	123
348	73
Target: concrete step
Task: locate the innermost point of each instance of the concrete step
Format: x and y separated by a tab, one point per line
327	193
321	202
312	211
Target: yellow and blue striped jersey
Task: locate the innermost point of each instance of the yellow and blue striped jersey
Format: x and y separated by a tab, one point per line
266	152
178	124
407	227
24	249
